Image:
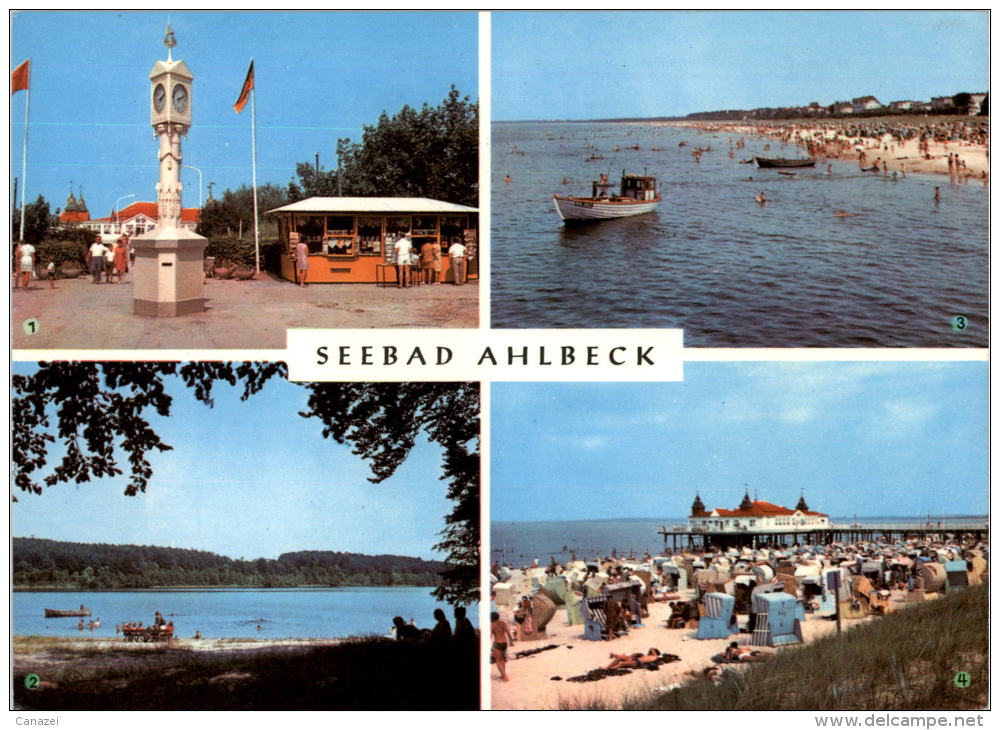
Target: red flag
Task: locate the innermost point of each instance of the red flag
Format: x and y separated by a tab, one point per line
245	93
19	77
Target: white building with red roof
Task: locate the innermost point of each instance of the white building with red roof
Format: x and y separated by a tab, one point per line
135	219
756	516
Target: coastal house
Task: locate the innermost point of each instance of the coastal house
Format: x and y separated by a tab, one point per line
865	103
904	105
942	103
755	516
135	219
841	107
976	103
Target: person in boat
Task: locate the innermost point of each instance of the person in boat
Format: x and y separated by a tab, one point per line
158	619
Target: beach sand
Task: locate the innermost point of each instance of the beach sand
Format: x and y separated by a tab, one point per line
901	157
531	684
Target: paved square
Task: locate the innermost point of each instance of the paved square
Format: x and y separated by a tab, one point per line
78	314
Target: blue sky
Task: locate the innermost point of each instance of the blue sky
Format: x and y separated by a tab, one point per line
585	65
870	439
250	479
319	76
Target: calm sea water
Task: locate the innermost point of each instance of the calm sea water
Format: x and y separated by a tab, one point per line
519	543
231	613
712	261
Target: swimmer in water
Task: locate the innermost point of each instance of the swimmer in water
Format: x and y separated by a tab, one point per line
761	198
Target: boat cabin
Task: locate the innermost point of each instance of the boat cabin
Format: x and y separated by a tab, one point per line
351	239
639	187
633	187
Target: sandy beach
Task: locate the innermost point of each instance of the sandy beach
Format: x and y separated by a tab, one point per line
834	139
533	685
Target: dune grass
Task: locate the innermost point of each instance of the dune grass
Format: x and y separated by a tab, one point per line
364	673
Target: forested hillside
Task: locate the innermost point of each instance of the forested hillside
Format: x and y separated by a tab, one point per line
51	563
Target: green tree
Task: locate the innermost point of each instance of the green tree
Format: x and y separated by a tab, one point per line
98	410
37	221
961	102
233	212
431	152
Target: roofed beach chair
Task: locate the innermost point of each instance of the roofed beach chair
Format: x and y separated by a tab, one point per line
718	621
958	575
777	623
595	618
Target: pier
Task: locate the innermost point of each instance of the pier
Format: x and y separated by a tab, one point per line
704	539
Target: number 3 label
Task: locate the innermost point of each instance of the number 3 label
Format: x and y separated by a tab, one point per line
959	322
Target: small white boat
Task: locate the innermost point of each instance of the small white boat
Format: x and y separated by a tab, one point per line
637	194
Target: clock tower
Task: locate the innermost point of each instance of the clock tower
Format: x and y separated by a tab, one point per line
168	265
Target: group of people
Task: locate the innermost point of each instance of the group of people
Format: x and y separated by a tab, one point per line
464	634
427	260
109	260
405	256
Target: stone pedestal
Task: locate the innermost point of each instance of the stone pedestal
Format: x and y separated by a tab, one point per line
169	278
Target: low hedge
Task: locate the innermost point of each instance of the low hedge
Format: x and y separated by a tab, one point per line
241	251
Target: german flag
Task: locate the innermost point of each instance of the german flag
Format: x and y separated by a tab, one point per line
19	77
245	93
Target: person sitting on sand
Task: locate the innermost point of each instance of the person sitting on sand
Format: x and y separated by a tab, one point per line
632	661
465	634
500	632
676	620
441	633
405	630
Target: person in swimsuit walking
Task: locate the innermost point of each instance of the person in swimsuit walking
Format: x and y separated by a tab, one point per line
500	632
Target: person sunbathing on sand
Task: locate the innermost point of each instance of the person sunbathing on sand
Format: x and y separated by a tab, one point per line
631	661
745	653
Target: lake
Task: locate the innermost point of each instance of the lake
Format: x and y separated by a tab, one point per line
712	261
234	613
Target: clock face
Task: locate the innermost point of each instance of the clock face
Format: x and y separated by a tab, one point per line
180	97
159	97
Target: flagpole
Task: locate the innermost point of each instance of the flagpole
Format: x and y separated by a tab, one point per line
24	152
253	144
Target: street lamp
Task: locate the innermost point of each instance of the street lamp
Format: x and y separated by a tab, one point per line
199	182
117	222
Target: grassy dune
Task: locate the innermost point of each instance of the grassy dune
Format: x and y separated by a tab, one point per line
367	673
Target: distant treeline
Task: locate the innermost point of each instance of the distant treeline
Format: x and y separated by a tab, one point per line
55	564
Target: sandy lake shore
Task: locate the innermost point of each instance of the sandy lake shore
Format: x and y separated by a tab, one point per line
533	679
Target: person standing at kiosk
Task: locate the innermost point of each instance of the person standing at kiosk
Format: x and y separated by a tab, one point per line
404	248
457	254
